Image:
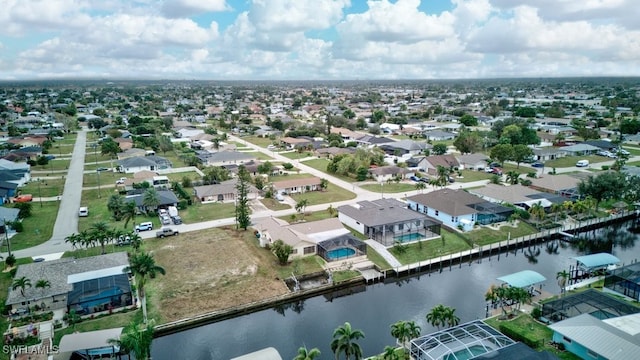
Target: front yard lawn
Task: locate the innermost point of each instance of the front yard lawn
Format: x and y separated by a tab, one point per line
260	156
390	187
472	175
331	195
204	212
260	141
38	227
570	161
294	155
273	204
321	165
43	187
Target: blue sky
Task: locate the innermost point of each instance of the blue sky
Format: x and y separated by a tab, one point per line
317	39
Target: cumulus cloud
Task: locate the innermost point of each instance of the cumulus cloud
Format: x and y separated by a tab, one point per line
184	8
294	15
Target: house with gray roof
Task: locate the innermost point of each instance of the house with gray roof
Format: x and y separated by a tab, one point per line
166	198
7	215
439	135
139	163
561	184
387	221
404	147
588	337
224	158
548	153
475	161
86	285
226	191
458	208
388	173
21	170
579	149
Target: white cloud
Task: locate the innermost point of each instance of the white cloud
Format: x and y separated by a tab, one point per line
21	16
295	15
183	8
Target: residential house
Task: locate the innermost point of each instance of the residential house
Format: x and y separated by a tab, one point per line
589	337
387	173
346	134
166	198
297	186
602	145
124	144
140	163
388	221
22	170
8	189
371	140
89	345
330	152
458	208
561	184
87	285
28	141
520	196
439	135
224	158
547	153
293	143
302	237
475	161
403	147
430	163
226	192
579	149
7	216
24	154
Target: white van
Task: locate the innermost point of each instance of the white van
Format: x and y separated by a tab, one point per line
83	211
582	163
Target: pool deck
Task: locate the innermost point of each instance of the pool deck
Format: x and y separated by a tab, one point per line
382	250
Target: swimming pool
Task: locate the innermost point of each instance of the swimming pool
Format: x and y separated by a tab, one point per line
339	253
466	354
408	237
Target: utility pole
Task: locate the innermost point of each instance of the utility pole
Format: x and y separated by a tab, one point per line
6	234
39	193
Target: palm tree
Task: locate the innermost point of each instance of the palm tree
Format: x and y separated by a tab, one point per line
129	211
74	239
301	206
390	353
150	199
404	331
135	239
556	209
420	186
513	177
562	277
102	234
344	342
43	284
304	354
443	176
21	283
449	317
435	317
537	211
115	205
137	339
144	267
331	210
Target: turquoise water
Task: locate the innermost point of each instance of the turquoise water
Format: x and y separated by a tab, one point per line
340	253
408	237
466	354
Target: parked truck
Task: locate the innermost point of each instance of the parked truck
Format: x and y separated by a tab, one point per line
166	232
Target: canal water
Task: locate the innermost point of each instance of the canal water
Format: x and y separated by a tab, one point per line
374	308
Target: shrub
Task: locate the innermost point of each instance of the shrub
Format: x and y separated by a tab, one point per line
605	167
532	175
536	313
525	182
533	343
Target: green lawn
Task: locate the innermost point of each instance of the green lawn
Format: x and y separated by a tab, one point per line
5	282
288	176
344	275
485	235
321	165
44	187
98	211
308	216
179	176
69	139
107	179
174	157
533	331
93	157
294	155
377	259
273	204
53	165
38	227
204	212
331	195
390	187
260	141
304	265
634	151
570	161
107	322
473	175
430	249
259	155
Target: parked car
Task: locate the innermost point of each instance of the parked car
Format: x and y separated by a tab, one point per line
582	163
603	153
166	232
121	180
279	197
123	240
144	226
537	164
623	151
165	219
414	178
496	171
177	220
424	179
103	169
23	198
83	211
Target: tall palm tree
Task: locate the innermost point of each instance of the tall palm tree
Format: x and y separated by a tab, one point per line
43	284
537	211
420	186
135	239
562	277
390	353
435	317
399	331
442	178
513	177
449	317
144	267
73	239
137	339
344	342
129	211
150	199
102	234
556	209
304	354
21	283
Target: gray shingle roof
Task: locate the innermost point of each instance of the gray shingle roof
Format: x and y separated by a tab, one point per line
451	202
57	273
380	212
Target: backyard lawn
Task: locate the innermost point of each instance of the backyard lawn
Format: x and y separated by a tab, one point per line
38	227
430	249
485	235
107	322
331	195
310	216
107	179
391	187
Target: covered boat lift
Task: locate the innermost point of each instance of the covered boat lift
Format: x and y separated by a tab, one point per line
523	279
590	265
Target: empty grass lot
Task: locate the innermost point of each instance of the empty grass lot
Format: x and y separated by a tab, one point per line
294	155
260	141
44	187
38	227
204	212
260	156
273	204
107	179
331	195
53	165
473	175
390	187
321	165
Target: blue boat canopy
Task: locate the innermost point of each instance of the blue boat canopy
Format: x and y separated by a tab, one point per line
523	278
595	261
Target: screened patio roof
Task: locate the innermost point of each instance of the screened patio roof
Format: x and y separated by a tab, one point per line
595	261
523	278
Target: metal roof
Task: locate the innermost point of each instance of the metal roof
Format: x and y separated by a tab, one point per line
599	337
596	260
264	354
88	340
523	278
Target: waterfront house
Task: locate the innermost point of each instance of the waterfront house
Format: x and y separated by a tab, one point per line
561	184
521	196
297	186
86	285
387	221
